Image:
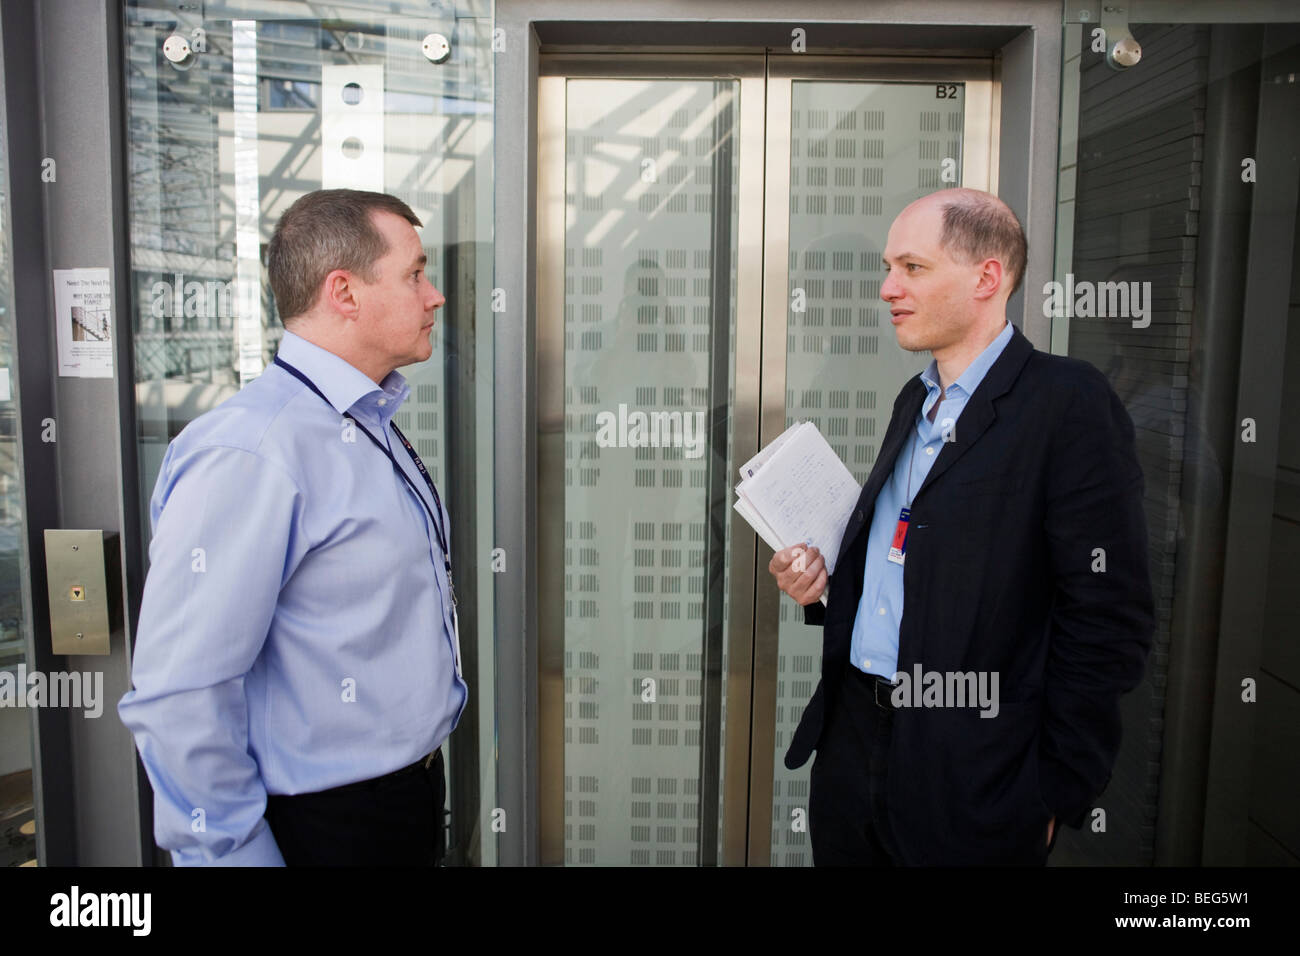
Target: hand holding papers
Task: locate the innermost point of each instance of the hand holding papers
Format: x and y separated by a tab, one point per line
797	491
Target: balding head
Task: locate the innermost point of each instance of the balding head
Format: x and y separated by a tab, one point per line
978	226
952	260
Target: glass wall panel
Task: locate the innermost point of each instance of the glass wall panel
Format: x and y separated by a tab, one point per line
649	286
235	112
17	813
1177	275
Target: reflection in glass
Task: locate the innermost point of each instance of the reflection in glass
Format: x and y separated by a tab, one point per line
218	150
650	181
17	813
1190	256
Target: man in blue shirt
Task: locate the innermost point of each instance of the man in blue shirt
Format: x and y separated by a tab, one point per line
961	725
297	665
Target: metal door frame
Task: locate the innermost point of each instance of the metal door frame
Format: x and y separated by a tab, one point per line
553	74
759	405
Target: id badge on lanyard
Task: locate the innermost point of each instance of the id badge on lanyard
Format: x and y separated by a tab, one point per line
898	547
455	623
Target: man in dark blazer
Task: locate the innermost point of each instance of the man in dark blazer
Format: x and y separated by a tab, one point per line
999	541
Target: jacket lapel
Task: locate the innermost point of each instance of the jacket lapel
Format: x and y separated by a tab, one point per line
906	409
978	414
975	419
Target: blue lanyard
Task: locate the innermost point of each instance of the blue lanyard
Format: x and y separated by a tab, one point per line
419	465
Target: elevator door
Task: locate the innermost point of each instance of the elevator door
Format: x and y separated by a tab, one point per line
709	240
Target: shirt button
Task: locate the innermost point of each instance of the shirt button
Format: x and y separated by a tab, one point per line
383	401
929	451
858	514
865	662
881	611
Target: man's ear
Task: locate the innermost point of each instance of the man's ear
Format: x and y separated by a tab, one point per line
990	279
340	293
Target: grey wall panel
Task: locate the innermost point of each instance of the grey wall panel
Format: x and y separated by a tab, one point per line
1275	777
515	444
1031	81
1280	654
1223	223
1247	750
81	133
1263	850
1140	145
52	773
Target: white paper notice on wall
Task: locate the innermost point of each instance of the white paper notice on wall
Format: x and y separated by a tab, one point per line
83	317
6	387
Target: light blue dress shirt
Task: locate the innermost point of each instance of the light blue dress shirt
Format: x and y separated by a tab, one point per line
874	647
296	632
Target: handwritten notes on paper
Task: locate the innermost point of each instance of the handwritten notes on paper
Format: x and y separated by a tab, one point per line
797	491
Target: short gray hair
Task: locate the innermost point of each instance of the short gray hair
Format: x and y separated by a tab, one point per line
979	226
322	231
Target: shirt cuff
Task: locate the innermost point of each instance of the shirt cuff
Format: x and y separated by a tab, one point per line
261	850
814	613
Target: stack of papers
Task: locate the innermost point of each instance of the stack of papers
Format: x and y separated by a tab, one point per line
797	491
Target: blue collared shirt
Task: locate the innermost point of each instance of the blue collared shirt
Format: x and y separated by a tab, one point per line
874	648
296	632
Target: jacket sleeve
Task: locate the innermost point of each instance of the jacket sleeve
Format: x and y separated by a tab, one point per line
1102	611
814	613
224	521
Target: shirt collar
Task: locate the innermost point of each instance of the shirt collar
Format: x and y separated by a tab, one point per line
345	386
974	373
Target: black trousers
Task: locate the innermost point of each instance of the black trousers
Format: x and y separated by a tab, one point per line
848	823
847	820
394	820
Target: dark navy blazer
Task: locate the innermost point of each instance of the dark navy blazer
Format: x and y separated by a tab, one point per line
1003	575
